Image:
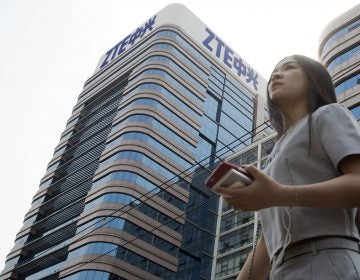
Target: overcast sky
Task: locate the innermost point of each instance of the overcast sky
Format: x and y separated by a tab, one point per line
50	47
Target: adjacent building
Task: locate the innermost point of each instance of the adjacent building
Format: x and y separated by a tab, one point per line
123	196
237	231
339	51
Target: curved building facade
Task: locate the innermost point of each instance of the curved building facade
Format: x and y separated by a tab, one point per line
123	196
339	51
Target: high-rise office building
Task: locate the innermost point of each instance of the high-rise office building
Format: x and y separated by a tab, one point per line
123	196
339	51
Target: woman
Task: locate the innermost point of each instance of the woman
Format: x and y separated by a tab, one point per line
310	190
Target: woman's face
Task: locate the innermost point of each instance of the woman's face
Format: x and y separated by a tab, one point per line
288	83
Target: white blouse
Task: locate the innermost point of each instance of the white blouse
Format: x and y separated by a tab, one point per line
335	134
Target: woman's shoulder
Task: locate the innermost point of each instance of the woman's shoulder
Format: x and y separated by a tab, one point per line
329	108
333	110
335	118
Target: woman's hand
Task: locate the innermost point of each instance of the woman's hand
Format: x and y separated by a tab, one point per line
263	192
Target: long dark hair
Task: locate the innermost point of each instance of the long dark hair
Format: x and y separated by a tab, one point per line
322	92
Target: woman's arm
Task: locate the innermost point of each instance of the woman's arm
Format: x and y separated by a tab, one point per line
261	264
264	192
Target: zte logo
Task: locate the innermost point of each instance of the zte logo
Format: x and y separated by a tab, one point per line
131	39
222	51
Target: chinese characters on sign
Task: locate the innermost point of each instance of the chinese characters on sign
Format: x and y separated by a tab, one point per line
131	39
221	50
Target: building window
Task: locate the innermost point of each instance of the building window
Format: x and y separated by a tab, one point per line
356	111
339	34
347	84
344	57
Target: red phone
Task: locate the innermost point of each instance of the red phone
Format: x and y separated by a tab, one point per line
226	174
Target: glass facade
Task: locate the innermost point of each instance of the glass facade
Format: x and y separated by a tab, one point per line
355	110
54	225
340	34
132	162
347	84
349	54
339	52
94	274
119	252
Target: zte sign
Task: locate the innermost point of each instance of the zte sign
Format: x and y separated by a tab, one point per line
224	53
179	15
128	41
